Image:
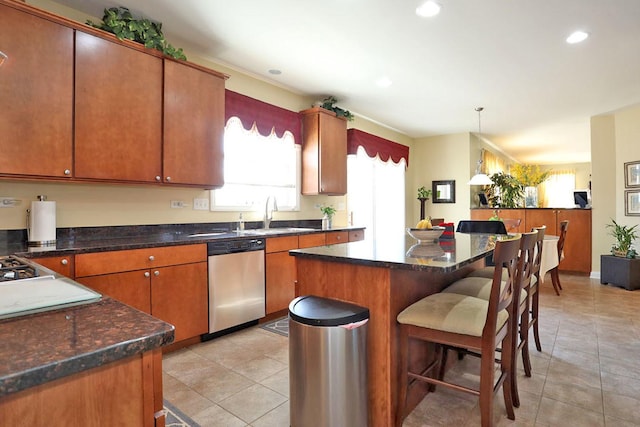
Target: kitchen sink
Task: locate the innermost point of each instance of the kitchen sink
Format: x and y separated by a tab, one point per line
268	231
207	234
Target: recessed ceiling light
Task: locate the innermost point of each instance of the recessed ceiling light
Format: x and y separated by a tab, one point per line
275	72
428	9
384	82
577	37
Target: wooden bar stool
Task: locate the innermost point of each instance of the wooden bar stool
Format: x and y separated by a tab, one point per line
555	278
453	320
479	286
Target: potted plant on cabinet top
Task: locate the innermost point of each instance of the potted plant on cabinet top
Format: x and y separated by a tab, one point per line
625	236
530	176
327	219
505	192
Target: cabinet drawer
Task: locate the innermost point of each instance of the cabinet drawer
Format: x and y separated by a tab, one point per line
92	264
311	240
356	235
337	237
132	288
280	244
60	264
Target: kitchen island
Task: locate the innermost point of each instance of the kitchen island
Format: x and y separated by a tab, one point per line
88	365
386	277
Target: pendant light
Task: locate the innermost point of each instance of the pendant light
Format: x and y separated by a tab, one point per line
480	178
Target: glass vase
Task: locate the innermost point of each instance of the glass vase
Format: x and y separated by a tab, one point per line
531	197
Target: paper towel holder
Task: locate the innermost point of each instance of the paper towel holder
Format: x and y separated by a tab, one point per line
41	233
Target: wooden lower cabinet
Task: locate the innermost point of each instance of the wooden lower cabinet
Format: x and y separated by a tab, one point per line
280	273
123	393
60	264
577	247
177	294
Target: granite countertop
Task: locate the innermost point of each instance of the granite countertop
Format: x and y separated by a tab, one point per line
405	253
97	239
45	346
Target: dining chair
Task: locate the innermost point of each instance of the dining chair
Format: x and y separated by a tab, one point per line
479	286
512	224
534	299
481	226
555	277
460	321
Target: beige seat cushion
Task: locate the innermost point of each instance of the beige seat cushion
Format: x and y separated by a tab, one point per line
478	287
487	272
460	314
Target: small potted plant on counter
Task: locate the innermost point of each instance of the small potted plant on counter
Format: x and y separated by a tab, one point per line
327	219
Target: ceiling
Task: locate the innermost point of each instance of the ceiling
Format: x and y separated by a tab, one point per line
508	56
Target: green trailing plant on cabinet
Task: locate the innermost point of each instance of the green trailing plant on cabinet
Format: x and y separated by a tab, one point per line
120	21
329	104
505	192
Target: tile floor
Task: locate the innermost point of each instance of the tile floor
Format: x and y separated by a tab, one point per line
588	373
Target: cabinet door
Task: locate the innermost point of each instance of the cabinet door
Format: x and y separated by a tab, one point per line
132	288
334	237
60	264
540	217
179	296
280	281
577	245
333	155
356	235
481	214
118	111
193	126
324	153
36	96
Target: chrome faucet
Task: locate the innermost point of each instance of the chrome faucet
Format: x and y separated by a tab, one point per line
268	214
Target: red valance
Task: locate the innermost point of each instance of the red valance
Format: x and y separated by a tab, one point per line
267	117
375	145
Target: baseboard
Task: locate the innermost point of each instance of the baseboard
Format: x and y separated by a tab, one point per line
595	275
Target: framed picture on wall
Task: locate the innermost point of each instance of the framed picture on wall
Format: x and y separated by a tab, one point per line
444	191
632	203
632	174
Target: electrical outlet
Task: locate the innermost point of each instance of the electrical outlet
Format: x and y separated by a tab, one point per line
177	204
201	204
9	202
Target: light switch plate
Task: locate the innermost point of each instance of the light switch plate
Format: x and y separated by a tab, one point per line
177	204
9	202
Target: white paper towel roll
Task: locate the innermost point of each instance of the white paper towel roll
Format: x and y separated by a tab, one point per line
42	223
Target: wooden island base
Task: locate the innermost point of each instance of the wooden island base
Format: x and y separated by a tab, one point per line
386	291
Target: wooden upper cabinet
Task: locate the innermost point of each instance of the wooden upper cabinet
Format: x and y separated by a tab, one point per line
36	96
324	152
118	112
193	126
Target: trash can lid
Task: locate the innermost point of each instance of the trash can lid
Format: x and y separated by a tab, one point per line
319	311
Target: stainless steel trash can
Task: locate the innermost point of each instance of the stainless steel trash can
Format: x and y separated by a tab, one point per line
327	363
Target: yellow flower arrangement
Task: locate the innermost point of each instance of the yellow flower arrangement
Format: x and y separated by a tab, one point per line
529	175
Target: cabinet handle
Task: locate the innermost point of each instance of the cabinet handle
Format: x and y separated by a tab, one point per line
64	262
146	274
158	178
338	237
156	273
67	172
151	258
168	179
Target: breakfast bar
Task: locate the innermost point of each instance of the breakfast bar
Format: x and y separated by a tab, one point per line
386	277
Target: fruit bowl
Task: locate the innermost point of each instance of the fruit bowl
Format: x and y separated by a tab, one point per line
426	234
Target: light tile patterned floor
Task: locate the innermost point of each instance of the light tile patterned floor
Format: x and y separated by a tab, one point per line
588	373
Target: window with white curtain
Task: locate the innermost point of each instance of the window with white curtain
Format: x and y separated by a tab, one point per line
557	190
256	167
376	195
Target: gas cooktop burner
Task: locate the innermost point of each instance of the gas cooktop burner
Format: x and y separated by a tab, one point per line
12	268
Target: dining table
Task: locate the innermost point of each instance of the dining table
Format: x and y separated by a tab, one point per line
386	276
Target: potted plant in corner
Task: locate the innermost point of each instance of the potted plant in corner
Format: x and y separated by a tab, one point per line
625	236
327	219
423	196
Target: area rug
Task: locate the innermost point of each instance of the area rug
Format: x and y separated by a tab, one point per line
279	326
175	417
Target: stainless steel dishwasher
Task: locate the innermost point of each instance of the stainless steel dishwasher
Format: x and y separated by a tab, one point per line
236	282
